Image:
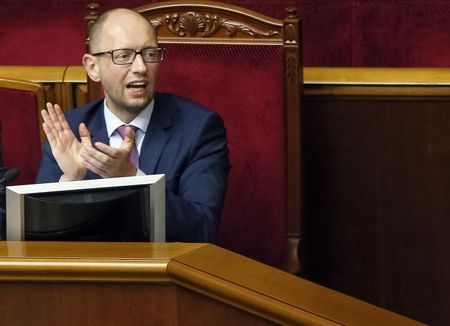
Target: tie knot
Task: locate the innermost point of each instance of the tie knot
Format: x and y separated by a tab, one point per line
122	128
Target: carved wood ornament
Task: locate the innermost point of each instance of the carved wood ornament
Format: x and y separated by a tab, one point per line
192	23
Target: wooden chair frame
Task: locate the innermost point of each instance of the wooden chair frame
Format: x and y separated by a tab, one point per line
36	88
213	22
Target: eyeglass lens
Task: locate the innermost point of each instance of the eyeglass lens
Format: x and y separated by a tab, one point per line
127	56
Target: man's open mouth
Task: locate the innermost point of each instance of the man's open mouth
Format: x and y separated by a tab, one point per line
137	85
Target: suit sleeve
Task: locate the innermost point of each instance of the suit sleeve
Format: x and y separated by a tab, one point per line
49	170
195	199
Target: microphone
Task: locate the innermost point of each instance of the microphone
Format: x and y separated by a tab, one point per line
9	175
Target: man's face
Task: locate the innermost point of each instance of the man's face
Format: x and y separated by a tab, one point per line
128	88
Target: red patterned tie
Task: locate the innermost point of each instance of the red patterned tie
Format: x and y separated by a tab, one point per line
134	152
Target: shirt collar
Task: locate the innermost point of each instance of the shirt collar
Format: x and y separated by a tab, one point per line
141	121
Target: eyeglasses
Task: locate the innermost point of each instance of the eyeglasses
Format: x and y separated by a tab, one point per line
127	56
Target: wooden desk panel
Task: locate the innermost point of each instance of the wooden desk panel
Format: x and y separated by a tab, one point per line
376	184
87	303
51	283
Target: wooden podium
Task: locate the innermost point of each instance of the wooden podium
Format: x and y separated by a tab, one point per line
65	283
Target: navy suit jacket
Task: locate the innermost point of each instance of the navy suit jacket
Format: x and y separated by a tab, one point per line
184	141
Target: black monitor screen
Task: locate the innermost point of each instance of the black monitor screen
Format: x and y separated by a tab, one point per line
117	214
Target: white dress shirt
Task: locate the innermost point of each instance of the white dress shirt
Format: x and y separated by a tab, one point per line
141	123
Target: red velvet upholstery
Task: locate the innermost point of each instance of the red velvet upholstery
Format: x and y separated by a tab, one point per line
244	84
339	33
20	103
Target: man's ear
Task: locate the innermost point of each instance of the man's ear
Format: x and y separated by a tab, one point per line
91	67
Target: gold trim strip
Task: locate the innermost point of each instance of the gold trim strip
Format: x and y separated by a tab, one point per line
376	76
56	270
390	82
317	80
405	92
312	75
36	74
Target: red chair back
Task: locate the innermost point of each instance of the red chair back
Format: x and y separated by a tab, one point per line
247	67
20	105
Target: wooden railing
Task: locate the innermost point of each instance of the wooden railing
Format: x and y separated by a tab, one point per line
45	283
66	85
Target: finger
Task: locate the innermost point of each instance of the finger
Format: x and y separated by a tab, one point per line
62	122
46	114
98	169
47	122
48	125
95	165
92	162
98	158
55	120
107	150
91	156
128	141
53	116
50	107
48	132
85	135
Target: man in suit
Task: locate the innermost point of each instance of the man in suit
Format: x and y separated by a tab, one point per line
173	135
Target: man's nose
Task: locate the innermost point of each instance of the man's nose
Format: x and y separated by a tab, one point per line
138	64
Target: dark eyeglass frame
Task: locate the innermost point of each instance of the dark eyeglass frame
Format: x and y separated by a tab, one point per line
131	60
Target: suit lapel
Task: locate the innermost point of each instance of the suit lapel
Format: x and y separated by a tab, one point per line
99	133
156	138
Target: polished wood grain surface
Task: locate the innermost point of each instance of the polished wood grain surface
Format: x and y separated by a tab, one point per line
376	76
72	261
106	281
28	250
37	74
272	293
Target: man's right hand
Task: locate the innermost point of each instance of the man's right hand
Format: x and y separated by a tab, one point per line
66	148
